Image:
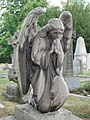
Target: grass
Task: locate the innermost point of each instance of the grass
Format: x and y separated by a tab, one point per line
86	73
79	106
84	88
82	83
3	71
9	106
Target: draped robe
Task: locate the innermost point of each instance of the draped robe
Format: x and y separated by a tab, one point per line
49	88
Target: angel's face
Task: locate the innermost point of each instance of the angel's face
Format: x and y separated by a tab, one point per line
56	34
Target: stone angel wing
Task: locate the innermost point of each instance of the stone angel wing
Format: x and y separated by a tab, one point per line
66	18
26	36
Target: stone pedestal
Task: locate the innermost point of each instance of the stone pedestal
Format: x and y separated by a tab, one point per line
88	61
77	67
27	112
12	93
72	82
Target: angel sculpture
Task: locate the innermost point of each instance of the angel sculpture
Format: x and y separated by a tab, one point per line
41	53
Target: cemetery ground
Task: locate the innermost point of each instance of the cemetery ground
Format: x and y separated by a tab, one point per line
78	105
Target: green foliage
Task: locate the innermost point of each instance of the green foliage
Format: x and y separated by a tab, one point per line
51	12
79	106
86	86
11	21
29	5
5	50
83	90
16	10
86	73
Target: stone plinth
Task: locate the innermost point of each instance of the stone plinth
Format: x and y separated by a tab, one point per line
12	93
72	82
77	67
26	112
88	61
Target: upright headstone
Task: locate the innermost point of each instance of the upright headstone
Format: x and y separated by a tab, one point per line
68	62
13	74
12	93
88	61
80	56
14	42
72	82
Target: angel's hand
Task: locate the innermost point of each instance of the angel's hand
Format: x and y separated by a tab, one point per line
52	48
56	50
58	46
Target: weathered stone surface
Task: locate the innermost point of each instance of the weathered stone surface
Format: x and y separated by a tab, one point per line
77	66
72	82
40	57
80	52
1	106
12	93
26	112
88	61
68	62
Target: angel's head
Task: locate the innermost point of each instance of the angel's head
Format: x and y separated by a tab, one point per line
56	28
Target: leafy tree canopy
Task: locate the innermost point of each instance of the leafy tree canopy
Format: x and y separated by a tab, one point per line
16	10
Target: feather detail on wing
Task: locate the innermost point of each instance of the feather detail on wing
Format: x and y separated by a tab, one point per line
26	36
66	18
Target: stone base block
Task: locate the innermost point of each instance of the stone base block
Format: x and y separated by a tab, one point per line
72	82
12	93
12	98
27	112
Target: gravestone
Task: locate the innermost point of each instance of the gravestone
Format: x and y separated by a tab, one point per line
88	61
80	56
72	81
14	43
12	93
68	62
78	67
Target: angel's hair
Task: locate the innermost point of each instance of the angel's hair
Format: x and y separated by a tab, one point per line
53	24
